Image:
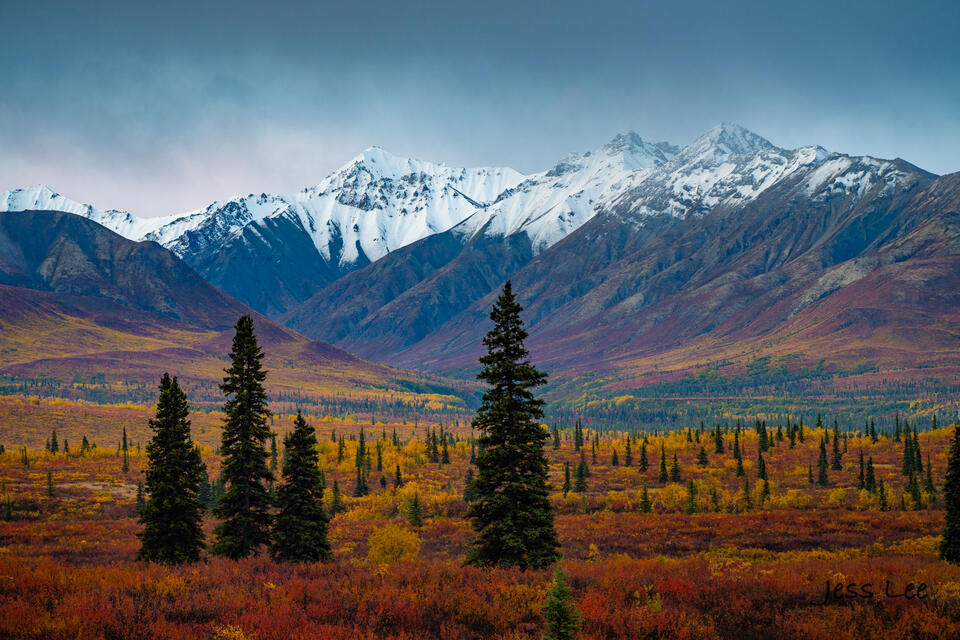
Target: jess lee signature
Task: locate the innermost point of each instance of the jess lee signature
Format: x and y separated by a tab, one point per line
838	592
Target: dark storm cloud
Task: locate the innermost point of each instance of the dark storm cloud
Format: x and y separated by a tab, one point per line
164	108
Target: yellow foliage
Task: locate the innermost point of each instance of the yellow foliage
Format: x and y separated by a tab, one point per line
230	632
673	496
866	500
837	497
390	544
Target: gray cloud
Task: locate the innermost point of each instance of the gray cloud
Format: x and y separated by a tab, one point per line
163	109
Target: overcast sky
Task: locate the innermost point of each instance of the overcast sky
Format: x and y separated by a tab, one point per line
163	109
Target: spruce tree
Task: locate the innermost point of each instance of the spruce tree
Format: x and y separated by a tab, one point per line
245	504
172	514
336	500
468	493
512	514
882	495
702	460
675	475
644	463
913	488
835	462
822	478
645	506
567	486
928	485
861	479
300	526
663	476
126	460
142	499
397	478
950	543
561	615
580	476
691	504
415	512
908	457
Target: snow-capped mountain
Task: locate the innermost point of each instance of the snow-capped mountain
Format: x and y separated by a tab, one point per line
374	204
42	197
550	205
577	239
273	252
730	166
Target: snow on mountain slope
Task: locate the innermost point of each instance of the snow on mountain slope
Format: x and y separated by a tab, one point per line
374	204
730	166
42	197
548	206
379	202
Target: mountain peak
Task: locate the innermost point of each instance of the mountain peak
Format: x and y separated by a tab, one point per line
729	139
40	197
638	153
625	141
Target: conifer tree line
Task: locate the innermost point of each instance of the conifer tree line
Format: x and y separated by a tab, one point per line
272	503
178	489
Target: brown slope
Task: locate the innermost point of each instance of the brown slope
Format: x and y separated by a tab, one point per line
91	302
619	287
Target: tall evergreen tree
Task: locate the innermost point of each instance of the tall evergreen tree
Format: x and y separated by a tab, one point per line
336	500
835	462
870	478
561	615
928	485
663	476
644	463
822	478
950	542
675	475
702	459
397	478
580	475
126	460
512	514
913	488
861	479
645	505
882	496
300	526
909	459
245	504
468	493
415	512
172	515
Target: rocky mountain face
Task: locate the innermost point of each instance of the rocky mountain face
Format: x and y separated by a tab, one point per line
76	300
273	251
66	254
726	240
